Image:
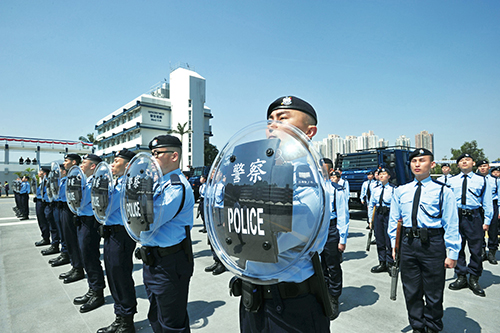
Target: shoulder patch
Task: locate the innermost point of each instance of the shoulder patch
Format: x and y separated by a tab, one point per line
304	176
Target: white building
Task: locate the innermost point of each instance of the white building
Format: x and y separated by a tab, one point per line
135	124
351	144
403	141
367	141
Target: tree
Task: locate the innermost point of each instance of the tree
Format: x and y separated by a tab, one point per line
470	148
210	152
89	138
181	130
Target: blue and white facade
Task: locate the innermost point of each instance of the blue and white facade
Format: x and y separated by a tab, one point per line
136	123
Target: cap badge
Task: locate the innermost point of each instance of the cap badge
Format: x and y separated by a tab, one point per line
421	151
286	101
154	143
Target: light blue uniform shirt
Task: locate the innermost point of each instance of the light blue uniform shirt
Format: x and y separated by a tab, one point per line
39	190
305	202
169	231
345	184
402	206
445	179
202	189
493	185
364	189
339	210
115	214
375	198
45	196
62	189
86	206
478	194
25	188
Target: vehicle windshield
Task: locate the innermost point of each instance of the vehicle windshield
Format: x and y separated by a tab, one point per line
360	161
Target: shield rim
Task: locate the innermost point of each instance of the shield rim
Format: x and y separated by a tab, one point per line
84	180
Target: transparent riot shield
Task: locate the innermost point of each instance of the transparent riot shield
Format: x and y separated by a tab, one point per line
265	201
100	192
141	216
74	188
53	181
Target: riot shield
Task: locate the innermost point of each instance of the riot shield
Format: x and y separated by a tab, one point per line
100	192
53	180
265	201
142	178
74	188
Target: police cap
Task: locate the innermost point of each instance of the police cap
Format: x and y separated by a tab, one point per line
421	152
478	164
327	161
125	154
93	158
45	169
445	164
384	170
74	157
370	173
464	155
165	141
292	103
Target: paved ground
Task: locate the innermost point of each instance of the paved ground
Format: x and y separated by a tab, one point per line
33	299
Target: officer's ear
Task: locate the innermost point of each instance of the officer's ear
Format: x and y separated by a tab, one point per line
311	131
433	164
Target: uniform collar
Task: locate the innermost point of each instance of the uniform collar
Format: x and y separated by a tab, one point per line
424	181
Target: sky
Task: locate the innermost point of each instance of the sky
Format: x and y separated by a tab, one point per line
393	67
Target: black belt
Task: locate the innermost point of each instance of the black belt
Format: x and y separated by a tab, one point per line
495	202
462	211
333	222
383	210
165	251
408	232
288	289
114	228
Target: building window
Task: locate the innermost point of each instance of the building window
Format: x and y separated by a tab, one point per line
189	103
189	146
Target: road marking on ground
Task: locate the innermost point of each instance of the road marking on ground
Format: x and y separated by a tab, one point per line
16	223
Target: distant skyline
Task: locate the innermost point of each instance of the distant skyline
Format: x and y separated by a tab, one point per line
395	67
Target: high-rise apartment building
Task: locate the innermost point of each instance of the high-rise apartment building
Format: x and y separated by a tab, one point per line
425	140
403	141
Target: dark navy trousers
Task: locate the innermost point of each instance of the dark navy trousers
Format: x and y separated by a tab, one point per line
89	240
43	224
423	275
299	314
331	258
471	230
167	286
57	220
384	248
118	251
493	230
24	204
49	216
71	236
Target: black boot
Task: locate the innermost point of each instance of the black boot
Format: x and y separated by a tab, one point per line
127	325
53	249
96	300
43	242
76	275
113	327
211	267
64	275
460	283
63	259
475	287
491	257
219	269
382	267
83	299
334	303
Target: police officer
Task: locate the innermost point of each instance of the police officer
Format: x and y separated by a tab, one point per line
68	220
167	277
366	191
381	199
118	251
483	169
445	178
331	257
48	209
201	201
472	192
279	310
58	203
217	267
24	198
17	199
430	226
89	241
43	224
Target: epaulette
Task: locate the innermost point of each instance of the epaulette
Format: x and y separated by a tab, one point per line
337	186
438	182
